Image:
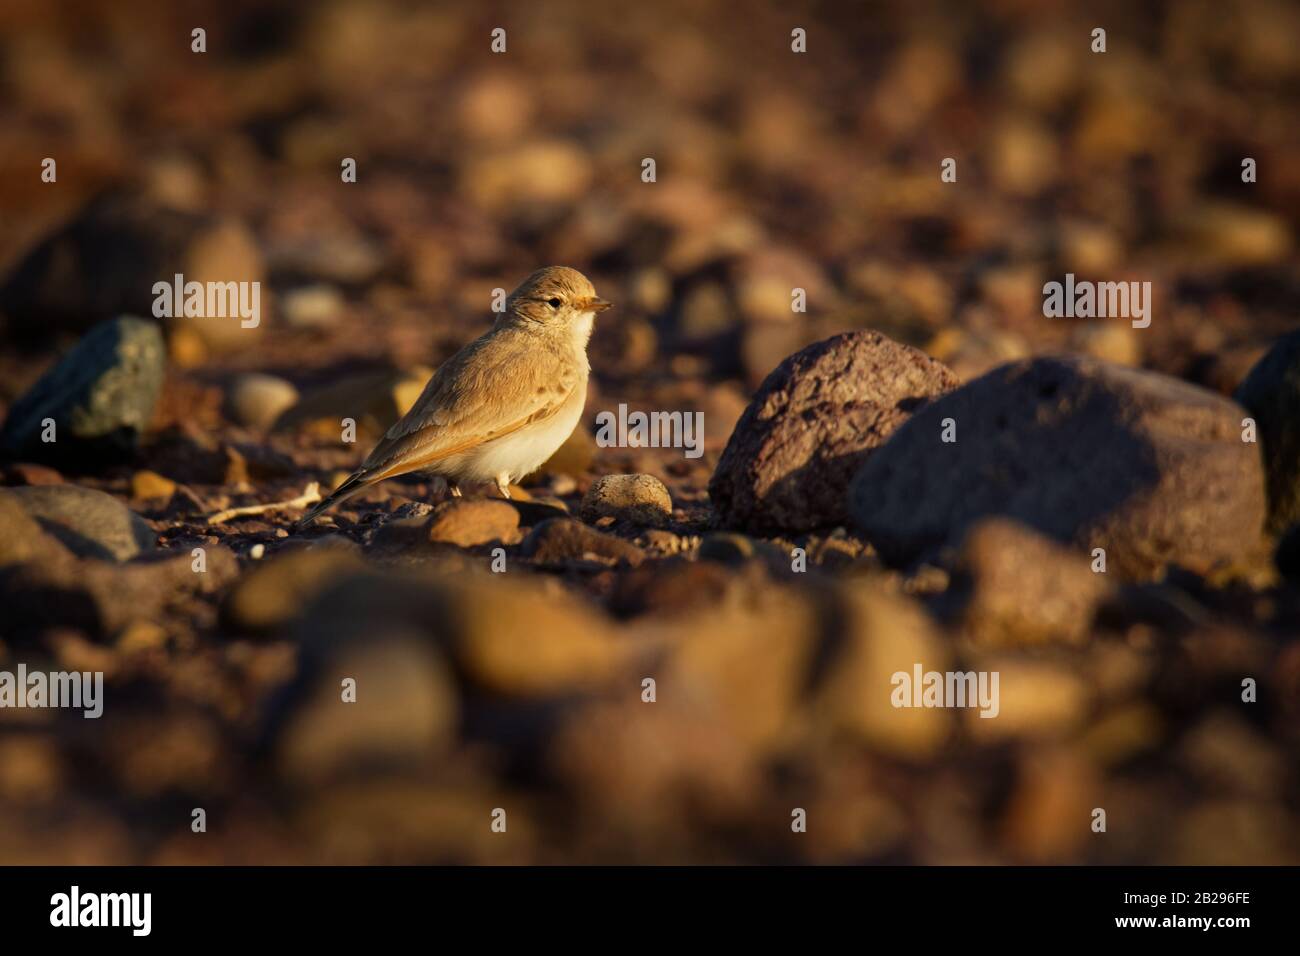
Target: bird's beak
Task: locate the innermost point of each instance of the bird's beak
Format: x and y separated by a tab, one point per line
596	304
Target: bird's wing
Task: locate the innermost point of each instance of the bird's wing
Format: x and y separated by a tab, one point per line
494	386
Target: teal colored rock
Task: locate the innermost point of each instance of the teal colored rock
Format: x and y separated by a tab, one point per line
99	398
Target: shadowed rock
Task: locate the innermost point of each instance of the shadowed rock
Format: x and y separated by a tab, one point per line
1147	467
1271	393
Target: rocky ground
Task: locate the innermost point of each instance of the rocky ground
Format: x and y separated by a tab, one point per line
919	469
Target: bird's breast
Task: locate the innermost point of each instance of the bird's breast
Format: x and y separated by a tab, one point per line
524	451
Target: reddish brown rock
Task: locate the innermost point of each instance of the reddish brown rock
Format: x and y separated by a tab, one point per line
812	424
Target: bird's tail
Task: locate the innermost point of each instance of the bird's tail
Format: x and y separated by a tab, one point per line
355	483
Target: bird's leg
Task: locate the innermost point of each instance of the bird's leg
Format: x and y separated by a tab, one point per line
503	484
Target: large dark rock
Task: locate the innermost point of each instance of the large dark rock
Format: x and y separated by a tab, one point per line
1148	467
812	424
1271	393
100	397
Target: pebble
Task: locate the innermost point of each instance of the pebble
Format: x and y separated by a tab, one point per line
468	523
257	400
149	485
312	307
639	499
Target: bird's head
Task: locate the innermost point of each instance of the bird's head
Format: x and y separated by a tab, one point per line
557	297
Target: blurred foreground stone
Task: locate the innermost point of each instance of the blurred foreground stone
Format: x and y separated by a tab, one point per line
102	599
1022	588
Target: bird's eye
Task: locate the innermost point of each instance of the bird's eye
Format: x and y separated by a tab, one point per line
553	302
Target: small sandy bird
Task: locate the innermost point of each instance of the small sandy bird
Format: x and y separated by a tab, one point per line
502	405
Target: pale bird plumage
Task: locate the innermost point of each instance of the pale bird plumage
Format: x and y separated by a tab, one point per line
501	406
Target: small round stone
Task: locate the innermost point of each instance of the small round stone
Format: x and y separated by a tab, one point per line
639	499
